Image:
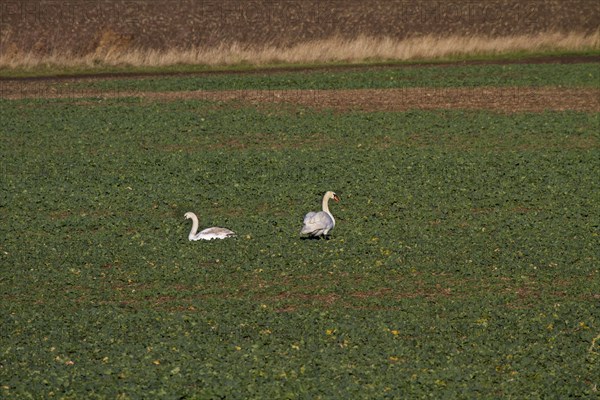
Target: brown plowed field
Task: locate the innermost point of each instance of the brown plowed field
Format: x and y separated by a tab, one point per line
80	25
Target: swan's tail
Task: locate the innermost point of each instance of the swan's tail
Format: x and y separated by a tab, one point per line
306	230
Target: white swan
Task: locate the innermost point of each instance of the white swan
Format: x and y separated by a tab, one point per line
208	233
320	223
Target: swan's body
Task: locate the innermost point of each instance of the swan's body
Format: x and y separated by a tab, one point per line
320	223
206	234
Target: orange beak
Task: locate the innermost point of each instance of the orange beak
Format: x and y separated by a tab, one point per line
336	198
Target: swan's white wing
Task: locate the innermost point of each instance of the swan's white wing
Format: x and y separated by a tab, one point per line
317	223
308	216
214	233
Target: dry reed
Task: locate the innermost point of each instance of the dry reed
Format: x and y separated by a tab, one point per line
114	51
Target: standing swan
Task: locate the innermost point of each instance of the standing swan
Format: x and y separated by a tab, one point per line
320	223
208	233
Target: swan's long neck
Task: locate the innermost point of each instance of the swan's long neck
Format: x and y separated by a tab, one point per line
194	227
326	204
326	207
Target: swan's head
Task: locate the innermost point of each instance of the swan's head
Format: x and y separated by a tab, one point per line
332	195
189	215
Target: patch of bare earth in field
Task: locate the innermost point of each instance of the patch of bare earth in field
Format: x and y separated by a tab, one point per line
502	99
510	99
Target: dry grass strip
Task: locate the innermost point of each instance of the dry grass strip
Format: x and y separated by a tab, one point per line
114	50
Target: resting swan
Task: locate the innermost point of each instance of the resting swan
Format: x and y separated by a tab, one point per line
208	233
320	223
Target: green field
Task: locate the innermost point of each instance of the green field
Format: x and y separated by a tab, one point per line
464	264
519	75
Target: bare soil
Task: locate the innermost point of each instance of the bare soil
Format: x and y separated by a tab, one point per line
511	99
503	99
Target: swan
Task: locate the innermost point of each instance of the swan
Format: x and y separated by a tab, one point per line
206	234
320	223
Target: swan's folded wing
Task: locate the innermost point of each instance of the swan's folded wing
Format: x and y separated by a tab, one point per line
316	221
309	216
215	233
